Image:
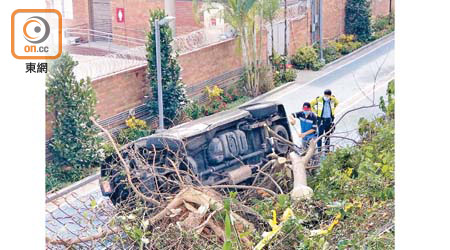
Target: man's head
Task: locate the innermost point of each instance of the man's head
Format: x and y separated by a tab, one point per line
307	108
327	94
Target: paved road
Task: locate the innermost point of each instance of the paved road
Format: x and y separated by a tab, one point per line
351	80
352	84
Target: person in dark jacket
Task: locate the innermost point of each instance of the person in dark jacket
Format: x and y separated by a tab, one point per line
308	124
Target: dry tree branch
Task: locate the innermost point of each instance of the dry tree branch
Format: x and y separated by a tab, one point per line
343	137
340	119
360	89
244	187
376	77
273	181
125	165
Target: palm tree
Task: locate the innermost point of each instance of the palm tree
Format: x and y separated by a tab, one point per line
242	15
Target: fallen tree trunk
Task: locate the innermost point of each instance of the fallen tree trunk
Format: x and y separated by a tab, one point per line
301	189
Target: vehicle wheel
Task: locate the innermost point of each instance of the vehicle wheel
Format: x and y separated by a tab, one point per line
280	147
261	110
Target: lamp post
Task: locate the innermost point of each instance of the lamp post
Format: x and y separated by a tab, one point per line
158	23
320	30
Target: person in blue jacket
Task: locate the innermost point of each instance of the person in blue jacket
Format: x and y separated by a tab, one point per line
308	124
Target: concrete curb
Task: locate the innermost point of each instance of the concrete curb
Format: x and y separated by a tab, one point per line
278	89
72	187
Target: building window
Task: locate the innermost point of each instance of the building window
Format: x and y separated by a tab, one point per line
65	7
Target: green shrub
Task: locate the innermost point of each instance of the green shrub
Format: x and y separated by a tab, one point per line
383	26
317	65
350	47
75	141
383	23
231	93
281	77
345	44
194	110
136	129
304	58
330	54
278	78
215	102
357	19
107	149
278	61
290	75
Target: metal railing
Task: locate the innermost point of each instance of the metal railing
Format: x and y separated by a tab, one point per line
96	35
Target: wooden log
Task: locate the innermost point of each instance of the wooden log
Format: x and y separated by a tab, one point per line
301	190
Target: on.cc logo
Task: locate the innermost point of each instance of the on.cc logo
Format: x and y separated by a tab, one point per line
36	34
41	29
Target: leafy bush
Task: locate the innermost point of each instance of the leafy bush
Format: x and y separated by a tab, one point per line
75	141
232	93
136	129
383	26
174	93
194	110
304	58
107	149
215	102
345	44
330	54
357	19
281	77
278	61
383	23
317	65
350	47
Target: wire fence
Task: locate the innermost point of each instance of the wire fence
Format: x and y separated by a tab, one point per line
80	221
101	53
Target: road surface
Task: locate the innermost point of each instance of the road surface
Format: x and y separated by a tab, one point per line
356	81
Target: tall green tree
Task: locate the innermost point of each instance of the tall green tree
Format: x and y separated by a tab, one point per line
174	93
357	19
72	102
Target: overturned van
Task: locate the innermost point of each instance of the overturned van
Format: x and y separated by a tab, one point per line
226	147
